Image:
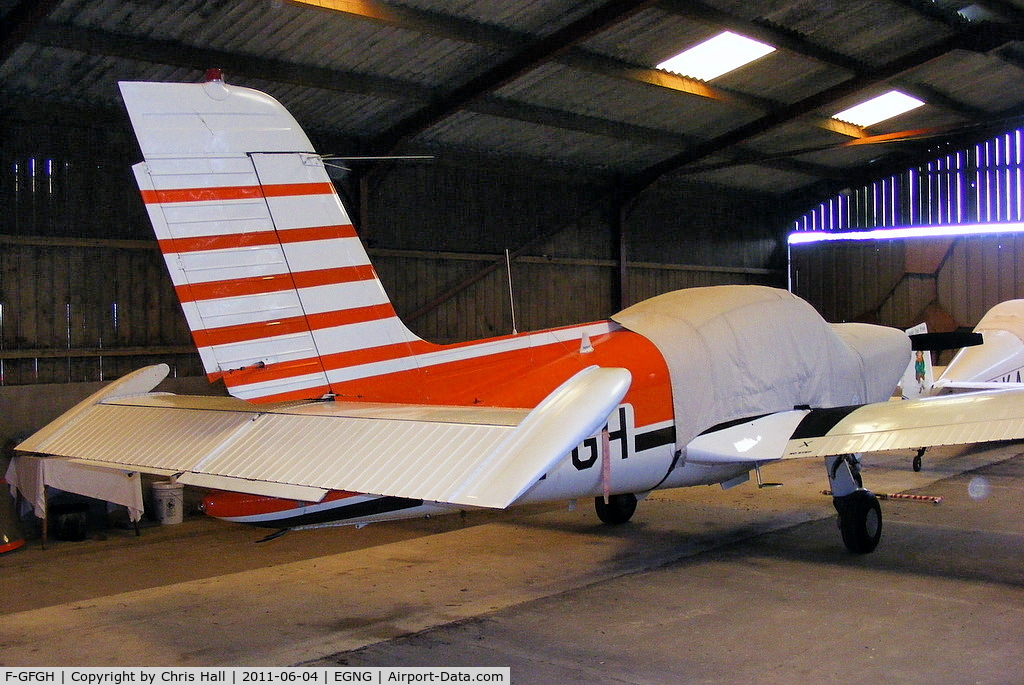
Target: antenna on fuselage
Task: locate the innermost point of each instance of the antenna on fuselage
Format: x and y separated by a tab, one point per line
761	483
511	295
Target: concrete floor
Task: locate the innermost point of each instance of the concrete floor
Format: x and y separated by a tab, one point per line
741	586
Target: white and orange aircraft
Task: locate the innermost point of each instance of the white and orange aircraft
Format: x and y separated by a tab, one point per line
341	414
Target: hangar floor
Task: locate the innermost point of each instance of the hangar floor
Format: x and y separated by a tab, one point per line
741	586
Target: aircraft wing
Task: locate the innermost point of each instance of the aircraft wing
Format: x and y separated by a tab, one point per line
474	456
902	424
931	421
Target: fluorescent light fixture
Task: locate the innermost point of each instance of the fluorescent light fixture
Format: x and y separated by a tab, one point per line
805	237
716	56
879	109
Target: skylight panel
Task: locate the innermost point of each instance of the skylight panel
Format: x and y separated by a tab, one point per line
879	109
716	56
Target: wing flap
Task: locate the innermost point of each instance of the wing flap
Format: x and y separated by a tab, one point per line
462	455
946	420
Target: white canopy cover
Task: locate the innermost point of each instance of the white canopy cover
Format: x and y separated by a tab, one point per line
737	352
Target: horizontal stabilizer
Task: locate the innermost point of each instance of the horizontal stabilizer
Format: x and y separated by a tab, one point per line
477	456
135	383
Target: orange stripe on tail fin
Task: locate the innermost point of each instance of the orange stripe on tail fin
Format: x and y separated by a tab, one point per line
262	254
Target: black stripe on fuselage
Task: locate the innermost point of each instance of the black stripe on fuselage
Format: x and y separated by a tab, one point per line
378	505
820	421
655	438
816	424
734	422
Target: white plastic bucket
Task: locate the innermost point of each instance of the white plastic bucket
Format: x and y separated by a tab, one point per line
169	499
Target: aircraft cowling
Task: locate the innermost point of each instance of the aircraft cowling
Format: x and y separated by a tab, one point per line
736	352
884	354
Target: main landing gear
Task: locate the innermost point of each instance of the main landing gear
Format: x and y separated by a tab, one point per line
917	458
617	510
860	516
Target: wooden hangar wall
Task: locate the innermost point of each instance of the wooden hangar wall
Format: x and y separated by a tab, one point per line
84	296
948	283
437	235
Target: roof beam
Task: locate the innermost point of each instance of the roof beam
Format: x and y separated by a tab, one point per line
562	119
526	59
455	28
93	41
422	21
596	63
20	21
99	42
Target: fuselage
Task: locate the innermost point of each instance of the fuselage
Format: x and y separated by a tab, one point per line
509	371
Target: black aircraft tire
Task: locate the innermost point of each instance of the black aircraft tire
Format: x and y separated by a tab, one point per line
860	521
618	510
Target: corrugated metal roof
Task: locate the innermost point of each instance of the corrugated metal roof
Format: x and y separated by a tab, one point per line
566	82
982	80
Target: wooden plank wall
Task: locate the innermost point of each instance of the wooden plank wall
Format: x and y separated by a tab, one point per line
548	292
84	295
979	272
74	310
80	310
885	282
70	177
847	281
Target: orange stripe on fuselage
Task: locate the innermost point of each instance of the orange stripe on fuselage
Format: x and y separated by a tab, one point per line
382	353
511	378
224	504
523	378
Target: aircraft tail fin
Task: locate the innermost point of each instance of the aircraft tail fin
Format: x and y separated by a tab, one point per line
276	287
